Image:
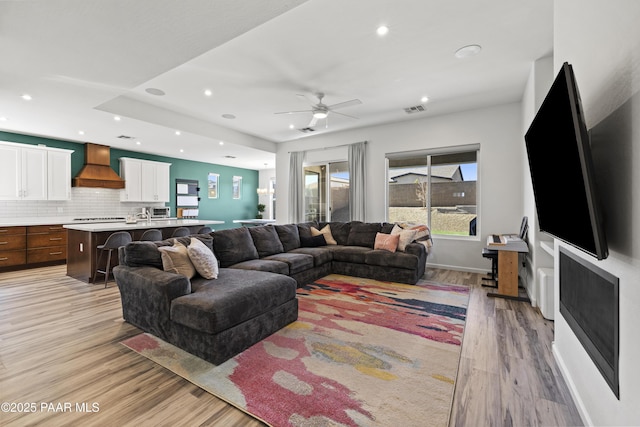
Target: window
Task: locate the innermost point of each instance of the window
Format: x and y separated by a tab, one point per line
326	198
437	188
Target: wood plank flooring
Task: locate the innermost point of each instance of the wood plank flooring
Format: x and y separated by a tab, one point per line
59	344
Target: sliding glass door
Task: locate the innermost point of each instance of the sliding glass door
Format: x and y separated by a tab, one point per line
326	195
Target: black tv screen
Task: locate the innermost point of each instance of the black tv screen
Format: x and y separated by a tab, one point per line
562	171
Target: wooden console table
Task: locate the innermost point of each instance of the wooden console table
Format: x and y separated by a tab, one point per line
508	255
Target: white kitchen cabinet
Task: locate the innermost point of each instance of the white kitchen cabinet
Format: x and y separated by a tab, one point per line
24	172
58	175
145	180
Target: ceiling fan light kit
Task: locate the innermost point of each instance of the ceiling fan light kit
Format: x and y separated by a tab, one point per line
320	111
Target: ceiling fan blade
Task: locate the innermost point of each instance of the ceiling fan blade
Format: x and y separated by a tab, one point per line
342	114
294	112
313	122
345	104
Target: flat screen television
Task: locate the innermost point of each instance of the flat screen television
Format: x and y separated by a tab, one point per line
562	172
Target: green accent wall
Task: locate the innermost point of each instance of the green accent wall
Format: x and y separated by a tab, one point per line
224	208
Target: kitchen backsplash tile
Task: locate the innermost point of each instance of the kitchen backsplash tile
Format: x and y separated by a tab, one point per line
84	203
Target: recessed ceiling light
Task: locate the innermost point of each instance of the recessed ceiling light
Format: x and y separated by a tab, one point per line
26	97
80	132
229	116
424	99
138	142
181	150
221	142
382	30
468	51
116	118
208	92
154	91
292	127
178	133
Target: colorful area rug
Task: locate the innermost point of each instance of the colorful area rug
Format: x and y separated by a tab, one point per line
362	353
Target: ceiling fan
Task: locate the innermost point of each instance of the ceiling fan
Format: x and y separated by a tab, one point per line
321	111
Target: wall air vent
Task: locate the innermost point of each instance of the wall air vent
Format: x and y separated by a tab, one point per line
125	137
307	130
415	109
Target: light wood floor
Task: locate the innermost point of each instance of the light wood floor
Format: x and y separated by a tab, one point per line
59	343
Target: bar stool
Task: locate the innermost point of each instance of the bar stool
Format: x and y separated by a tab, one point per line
205	230
113	242
151	235
181	232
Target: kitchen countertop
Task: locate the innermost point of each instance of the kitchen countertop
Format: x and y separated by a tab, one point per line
141	224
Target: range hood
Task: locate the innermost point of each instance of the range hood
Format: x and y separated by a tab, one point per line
97	171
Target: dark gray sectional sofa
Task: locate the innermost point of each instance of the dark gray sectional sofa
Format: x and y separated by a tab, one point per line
255	292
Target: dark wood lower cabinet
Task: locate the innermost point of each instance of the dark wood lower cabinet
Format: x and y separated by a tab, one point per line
32	246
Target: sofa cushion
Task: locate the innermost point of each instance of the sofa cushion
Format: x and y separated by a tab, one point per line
289	236
387	227
363	234
296	262
320	255
304	228
313	242
339	230
383	258
354	254
266	240
203	259
326	232
233	246
237	296
263	265
175	259
138	254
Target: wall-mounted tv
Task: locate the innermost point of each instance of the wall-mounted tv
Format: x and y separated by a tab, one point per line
562	170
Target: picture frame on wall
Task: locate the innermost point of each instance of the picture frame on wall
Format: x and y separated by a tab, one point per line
237	187
212	185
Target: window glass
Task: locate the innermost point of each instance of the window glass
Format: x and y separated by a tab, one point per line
439	190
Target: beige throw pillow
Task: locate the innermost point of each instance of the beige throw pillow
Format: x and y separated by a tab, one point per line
176	259
326	232
203	259
406	237
387	242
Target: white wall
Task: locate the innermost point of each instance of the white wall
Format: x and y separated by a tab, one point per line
538	84
497	129
264	178
601	39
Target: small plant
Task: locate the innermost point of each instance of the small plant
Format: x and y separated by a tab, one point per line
261	208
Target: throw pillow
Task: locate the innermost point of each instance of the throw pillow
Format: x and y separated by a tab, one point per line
313	242
387	242
203	259
176	260
405	237
326	232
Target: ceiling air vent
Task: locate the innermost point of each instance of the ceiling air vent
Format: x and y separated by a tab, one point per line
125	137
307	130
229	157
415	109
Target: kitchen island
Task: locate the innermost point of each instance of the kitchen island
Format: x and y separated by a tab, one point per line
84	238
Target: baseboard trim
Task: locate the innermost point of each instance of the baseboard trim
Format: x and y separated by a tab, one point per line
582	411
458	268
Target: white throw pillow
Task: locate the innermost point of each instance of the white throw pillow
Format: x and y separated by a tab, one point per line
406	236
203	259
176	259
